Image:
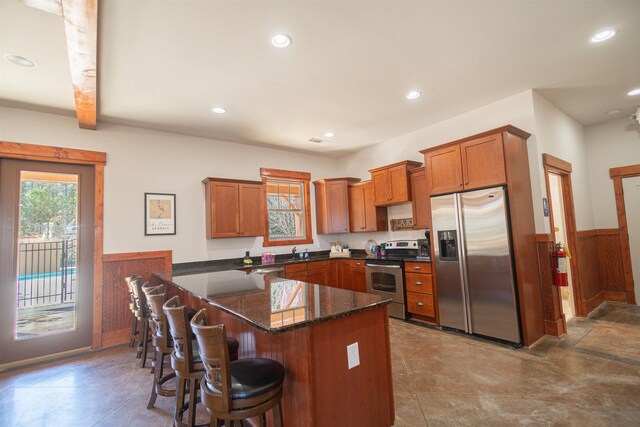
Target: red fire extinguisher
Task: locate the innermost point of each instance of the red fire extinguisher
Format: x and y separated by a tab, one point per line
559	257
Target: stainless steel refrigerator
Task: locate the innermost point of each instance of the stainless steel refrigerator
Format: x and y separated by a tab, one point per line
474	269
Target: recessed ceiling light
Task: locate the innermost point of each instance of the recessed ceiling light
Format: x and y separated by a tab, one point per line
329	134
19	60
603	35
634	92
614	111
219	110
414	94
281	40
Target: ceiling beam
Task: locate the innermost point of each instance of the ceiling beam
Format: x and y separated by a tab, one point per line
81	29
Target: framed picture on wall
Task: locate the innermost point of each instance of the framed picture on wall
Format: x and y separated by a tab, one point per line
159	214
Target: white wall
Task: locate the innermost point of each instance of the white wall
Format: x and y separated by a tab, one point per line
516	110
611	144
561	136
141	160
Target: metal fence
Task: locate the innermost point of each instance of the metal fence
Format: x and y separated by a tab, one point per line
46	272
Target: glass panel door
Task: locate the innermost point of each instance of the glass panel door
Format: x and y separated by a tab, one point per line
46	258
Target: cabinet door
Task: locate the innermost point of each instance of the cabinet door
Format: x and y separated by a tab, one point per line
483	162
375	217
358	280
225	210
251	208
356	209
334	273
444	170
345	274
399	183
420	196
381	187
337	207
318	277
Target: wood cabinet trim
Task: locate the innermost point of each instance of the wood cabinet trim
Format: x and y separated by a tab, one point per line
237	181
410	164
508	128
349	180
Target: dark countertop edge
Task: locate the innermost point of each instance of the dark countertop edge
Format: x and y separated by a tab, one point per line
185	268
286	328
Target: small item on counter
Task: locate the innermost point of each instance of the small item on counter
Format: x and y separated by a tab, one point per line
247	259
370	246
301	254
306	254
268	258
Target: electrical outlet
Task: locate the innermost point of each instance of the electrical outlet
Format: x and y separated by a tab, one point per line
353	355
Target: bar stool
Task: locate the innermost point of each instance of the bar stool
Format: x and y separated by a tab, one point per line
257	383
163	345
142	315
132	307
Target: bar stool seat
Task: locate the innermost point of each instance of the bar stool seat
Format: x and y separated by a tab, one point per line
240	389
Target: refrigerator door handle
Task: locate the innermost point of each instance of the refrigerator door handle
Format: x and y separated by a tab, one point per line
463	262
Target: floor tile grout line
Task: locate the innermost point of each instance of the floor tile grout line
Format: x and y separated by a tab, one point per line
118	407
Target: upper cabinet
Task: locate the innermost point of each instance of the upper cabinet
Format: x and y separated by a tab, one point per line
391	183
332	204
465	165
364	215
234	208
420	197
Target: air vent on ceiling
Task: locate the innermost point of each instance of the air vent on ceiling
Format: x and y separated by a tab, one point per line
317	140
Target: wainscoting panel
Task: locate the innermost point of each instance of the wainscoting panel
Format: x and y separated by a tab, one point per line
116	316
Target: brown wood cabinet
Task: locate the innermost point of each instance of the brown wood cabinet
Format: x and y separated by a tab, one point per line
465	166
419	285
364	215
233	208
391	183
352	274
332	205
316	272
420	199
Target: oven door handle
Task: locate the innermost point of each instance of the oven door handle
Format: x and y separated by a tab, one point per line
382	265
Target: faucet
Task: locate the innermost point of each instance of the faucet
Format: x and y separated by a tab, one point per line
293	252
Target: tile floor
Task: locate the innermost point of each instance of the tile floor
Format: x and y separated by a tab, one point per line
589	378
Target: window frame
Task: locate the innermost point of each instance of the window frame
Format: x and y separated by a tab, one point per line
303	178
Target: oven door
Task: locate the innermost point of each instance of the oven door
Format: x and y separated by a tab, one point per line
387	281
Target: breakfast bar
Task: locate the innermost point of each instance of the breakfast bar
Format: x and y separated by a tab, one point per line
307	328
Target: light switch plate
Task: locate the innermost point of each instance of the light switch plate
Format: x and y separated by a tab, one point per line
353	355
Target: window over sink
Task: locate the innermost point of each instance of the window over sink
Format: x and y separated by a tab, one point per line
287	207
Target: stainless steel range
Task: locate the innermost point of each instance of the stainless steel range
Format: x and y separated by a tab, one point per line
385	274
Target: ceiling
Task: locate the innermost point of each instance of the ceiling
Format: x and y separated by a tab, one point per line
163	64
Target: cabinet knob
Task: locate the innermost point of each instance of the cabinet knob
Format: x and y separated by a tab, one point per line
420	304
358	263
418	283
461	184
417	267
466	183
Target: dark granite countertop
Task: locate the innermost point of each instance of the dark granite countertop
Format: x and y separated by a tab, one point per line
272	304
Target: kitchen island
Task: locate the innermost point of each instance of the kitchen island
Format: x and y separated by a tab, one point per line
307	328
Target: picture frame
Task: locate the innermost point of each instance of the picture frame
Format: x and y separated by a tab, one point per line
159	214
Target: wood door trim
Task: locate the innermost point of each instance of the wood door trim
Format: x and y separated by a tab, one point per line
563	168
44	153
17	150
617	174
556	164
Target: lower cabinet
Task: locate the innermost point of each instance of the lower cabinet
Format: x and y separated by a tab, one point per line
420	293
338	273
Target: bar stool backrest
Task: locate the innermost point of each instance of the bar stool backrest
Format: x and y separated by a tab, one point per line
178	323
214	352
158	319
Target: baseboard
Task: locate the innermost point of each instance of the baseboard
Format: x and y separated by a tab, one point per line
556	328
110	339
592	303
615	296
46	358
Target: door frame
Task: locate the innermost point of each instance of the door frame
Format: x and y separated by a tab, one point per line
617	174
44	153
563	169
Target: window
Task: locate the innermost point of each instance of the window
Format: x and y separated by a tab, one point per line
288	217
